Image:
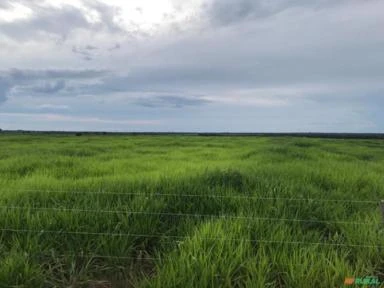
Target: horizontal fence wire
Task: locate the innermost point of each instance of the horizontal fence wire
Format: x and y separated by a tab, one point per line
93	256
222	216
98	256
184	238
140	258
247	197
83	255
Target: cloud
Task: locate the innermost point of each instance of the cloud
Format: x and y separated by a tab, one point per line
117	46
48	21
77	119
90	52
4	89
226	12
85	53
267	57
52	107
49	88
49	81
60	21
170	101
90	47
25	75
229	11
5	4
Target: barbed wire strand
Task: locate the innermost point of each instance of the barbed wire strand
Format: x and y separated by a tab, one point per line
140	258
275	219
81	255
196	195
96	256
265	241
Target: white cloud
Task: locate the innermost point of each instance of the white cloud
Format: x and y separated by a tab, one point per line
151	16
15	12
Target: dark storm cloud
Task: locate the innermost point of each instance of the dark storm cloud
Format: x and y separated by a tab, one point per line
171	101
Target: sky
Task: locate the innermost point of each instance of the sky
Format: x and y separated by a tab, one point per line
192	65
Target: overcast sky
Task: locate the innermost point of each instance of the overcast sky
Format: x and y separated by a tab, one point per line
192	65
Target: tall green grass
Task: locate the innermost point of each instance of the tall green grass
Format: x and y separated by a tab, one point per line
65	206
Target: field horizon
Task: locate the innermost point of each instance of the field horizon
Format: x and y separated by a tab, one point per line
335	135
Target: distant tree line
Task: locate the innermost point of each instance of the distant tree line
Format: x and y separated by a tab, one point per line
312	135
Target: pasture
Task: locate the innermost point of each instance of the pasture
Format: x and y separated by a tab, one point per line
189	211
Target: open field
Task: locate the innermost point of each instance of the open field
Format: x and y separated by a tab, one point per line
189	211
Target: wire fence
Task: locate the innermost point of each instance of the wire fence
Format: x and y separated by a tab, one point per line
177	238
249	196
186	215
159	258
184	238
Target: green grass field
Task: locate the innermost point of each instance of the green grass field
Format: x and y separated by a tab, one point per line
188	211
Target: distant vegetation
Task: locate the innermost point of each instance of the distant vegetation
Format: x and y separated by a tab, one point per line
209	211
